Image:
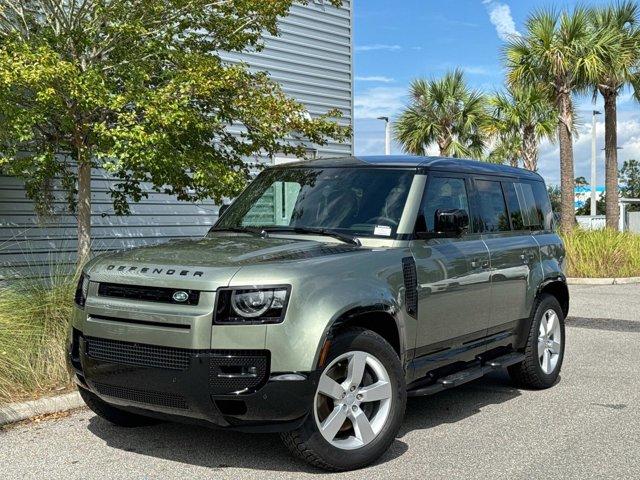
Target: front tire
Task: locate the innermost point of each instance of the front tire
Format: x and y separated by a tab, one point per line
358	406
544	350
113	414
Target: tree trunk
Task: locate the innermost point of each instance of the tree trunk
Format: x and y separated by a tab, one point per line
611	159
567	179
529	149
84	209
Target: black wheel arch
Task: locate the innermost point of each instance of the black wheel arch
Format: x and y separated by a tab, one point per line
379	318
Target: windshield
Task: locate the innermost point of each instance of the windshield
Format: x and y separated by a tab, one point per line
356	201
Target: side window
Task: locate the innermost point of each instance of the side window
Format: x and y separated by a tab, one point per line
493	211
442	194
525	208
542	203
514	204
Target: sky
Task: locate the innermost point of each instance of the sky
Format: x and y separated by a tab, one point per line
397	41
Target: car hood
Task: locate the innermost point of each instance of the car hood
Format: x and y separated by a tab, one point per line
214	259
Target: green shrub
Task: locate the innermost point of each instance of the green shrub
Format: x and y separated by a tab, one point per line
34	315
602	253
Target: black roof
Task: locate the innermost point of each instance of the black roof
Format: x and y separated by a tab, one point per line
422	163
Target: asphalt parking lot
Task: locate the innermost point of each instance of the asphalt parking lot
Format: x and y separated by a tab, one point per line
587	426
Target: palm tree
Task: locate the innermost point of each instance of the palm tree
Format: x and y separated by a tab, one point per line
508	146
559	51
521	117
620	68
444	111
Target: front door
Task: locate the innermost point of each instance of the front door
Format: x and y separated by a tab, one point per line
453	280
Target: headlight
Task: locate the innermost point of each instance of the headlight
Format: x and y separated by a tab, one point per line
244	306
82	289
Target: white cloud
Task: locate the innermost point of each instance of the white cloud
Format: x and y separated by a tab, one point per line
500	16
628	140
375	78
379	101
377	46
477	70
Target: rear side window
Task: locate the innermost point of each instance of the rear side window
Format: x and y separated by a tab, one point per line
528	204
493	210
542	203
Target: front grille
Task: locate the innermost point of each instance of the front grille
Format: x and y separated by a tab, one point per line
234	370
147	294
115	351
162	399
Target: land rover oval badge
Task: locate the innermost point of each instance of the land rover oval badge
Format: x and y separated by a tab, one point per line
180	296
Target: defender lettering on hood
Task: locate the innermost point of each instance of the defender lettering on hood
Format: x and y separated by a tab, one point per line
155	270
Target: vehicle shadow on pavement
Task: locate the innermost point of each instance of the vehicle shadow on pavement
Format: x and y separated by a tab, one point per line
218	449
454	405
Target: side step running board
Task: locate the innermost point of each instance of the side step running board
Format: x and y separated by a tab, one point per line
468	375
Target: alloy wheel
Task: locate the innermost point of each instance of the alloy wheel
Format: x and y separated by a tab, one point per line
353	400
549	341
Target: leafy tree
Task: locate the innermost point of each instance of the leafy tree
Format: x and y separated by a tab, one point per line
521	117
139	88
619	68
554	198
560	51
581	182
586	208
444	111
630	176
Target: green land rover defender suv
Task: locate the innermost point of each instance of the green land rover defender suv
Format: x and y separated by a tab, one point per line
324	295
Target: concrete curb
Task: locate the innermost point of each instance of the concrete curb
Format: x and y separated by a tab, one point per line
17	412
603	281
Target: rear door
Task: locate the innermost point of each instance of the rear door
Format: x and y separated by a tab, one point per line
453	277
513	251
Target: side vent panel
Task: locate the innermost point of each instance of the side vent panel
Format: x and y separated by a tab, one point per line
410	285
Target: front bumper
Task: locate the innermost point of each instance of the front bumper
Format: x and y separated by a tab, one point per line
224	388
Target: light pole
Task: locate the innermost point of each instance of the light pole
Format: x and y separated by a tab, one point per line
593	162
387	135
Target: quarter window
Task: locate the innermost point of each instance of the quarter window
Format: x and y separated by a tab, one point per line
493	211
525	211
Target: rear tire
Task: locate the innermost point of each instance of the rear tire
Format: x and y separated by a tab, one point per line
113	414
544	350
368	411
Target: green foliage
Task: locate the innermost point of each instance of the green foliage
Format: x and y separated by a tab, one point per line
33	325
586	208
138	88
554	197
630	176
619	65
560	49
445	111
520	118
602	253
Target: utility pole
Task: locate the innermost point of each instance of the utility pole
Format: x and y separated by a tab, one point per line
387	135
594	211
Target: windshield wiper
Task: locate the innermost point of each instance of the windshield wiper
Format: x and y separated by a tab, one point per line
344	237
252	231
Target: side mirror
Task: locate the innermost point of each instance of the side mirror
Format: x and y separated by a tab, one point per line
222	209
451	223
